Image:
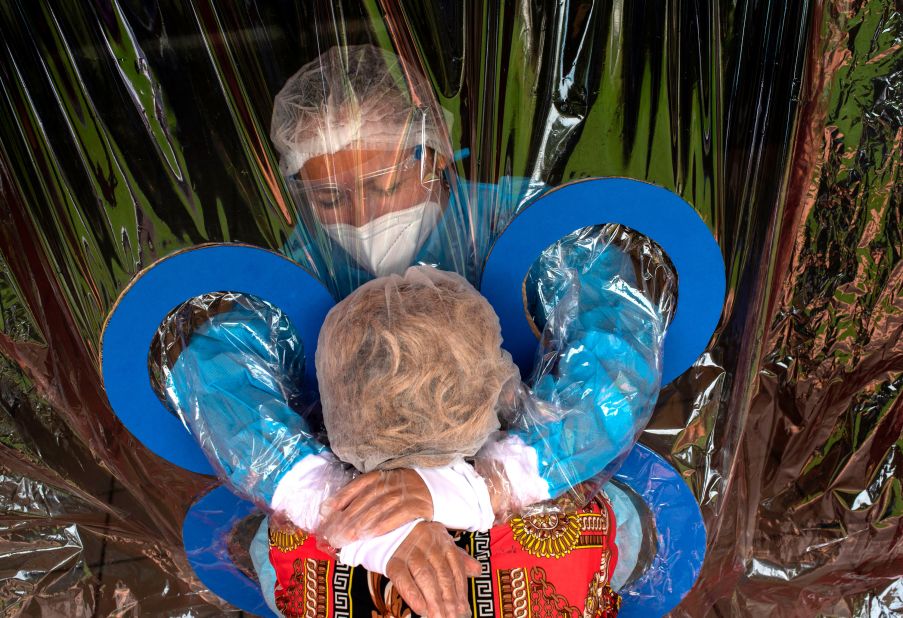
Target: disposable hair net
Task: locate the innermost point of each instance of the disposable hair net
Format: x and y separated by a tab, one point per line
357	96
411	371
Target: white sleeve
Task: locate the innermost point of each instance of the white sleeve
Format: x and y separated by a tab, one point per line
374	554
460	496
520	464
303	489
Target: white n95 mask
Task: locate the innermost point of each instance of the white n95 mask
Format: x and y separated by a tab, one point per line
388	244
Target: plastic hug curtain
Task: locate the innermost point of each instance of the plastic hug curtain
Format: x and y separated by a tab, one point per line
130	131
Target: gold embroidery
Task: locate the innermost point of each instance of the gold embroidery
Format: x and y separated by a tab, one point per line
513	593
389	603
310	588
603	565
288	599
594	522
316	593
601	600
547	535
594	528
287	539
306	595
545	600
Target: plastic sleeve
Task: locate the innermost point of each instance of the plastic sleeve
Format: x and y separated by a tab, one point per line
603	297
302	490
516	465
233	384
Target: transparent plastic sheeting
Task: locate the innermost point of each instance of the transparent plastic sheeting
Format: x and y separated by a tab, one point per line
130	131
412	374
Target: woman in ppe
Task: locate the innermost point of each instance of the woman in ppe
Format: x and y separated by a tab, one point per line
367	158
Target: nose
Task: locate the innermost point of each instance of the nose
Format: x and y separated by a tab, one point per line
359	213
365	206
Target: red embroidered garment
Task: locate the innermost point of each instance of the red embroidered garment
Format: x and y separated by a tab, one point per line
545	566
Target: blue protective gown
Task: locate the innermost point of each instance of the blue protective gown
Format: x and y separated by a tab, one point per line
236	383
458	243
606	338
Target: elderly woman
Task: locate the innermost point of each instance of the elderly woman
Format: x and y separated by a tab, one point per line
366	155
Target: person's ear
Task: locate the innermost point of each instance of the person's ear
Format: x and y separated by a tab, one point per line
436	166
442	162
437	161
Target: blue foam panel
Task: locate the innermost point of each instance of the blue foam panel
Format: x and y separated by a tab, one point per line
680	535
658	213
157	291
205	532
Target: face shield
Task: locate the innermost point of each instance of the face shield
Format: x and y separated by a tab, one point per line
364	154
376	207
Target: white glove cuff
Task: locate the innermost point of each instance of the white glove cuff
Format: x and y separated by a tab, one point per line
520	464
460	497
374	554
302	490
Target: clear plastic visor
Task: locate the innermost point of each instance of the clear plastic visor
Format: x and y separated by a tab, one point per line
356	186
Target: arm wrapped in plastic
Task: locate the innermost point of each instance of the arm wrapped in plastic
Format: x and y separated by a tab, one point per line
602	298
232	366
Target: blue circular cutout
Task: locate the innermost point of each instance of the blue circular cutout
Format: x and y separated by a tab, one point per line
653	211
680	535
142	307
205	533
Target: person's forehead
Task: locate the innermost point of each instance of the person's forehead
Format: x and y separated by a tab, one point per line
351	161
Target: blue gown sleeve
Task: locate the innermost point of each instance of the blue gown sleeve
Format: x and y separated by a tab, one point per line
602	298
234	386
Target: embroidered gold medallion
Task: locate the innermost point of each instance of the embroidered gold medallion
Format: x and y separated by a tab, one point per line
547	535
602	601
287	539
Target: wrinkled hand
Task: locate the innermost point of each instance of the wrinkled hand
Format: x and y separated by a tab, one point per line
374	504
430	572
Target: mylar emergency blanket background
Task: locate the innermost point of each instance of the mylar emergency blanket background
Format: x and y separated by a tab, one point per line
132	130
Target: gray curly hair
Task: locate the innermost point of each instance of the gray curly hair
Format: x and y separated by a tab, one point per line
410	370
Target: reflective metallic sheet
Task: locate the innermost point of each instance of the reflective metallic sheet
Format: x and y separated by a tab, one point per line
807	517
131	129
